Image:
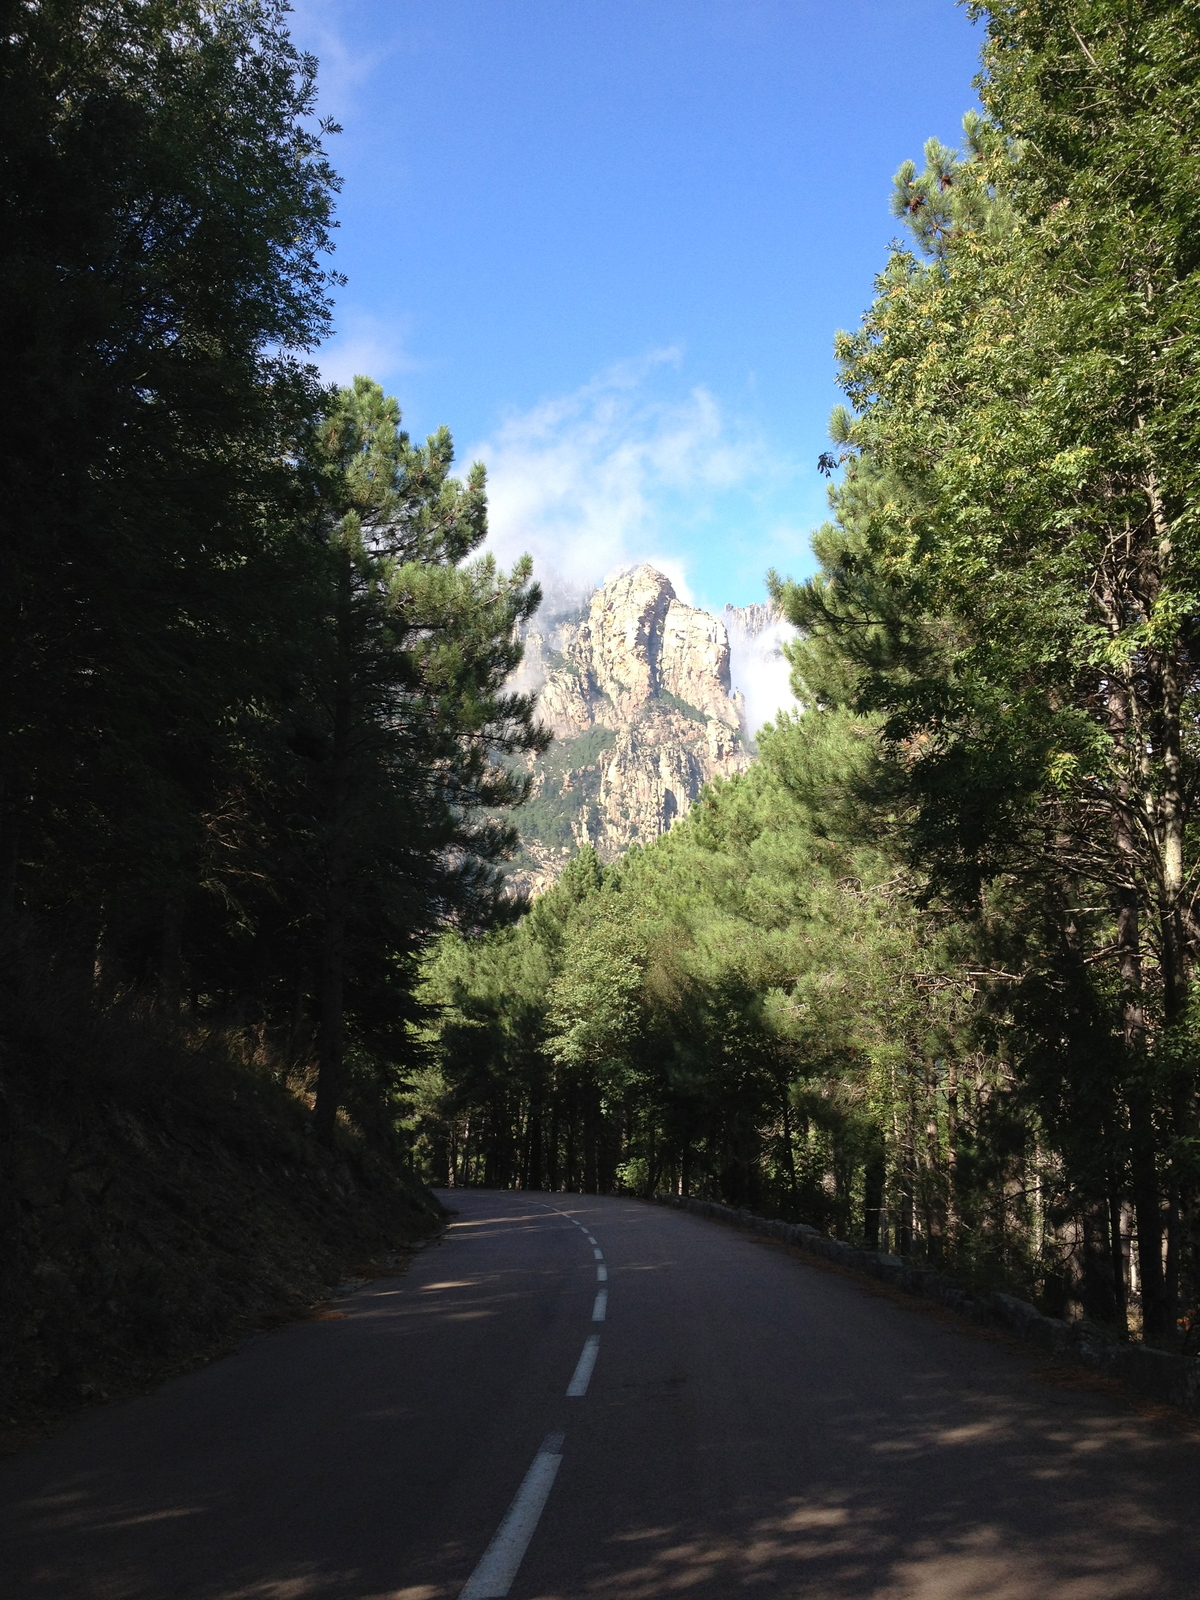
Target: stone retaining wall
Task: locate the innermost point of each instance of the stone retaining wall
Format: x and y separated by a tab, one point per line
1157	1374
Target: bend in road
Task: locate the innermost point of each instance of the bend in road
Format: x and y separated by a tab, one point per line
750	1425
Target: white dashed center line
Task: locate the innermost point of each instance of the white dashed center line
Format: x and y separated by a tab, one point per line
498	1565
583	1372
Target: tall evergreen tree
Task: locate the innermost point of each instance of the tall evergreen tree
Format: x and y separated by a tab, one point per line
405	720
165	208
1014	577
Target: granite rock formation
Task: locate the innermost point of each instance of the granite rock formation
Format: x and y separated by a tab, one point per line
636	689
752	620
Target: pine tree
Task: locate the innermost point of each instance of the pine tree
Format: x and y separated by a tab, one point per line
1015	574
404	721
165	210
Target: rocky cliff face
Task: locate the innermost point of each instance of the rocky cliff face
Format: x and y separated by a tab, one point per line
637	692
753	620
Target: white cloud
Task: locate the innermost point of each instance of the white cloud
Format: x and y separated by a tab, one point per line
607	476
602	477
364	344
761	671
317	25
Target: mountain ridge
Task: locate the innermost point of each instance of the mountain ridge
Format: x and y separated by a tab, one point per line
636	688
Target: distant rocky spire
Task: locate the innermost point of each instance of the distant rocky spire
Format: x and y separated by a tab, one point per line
639	690
752	619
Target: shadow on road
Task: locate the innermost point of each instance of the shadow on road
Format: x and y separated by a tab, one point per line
756	1428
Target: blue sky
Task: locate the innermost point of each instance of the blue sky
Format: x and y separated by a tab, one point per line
608	243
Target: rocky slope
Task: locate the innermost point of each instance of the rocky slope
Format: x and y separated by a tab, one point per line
636	689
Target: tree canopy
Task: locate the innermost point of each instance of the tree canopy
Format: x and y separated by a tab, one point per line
254	728
926	974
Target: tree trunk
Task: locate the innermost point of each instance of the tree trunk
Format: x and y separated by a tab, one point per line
10	853
789	1149
1156	1320
1098	1289
952	1220
1147	1210
331	986
331	1002
534	1159
1172	802
873	1180
1172	815
554	1153
170	965
1120	1290
904	1221
569	1178
934	1189
1171	1268
591	1116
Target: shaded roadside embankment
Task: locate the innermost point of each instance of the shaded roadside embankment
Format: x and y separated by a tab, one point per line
159	1203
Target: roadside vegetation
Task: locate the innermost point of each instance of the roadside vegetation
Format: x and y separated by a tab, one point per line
254	733
926	975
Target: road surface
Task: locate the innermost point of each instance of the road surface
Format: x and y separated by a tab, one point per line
750	1425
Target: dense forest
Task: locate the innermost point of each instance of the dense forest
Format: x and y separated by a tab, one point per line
924	976
253	663
255	735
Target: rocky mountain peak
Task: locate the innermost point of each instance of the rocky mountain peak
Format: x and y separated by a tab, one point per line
621	641
637	692
752	620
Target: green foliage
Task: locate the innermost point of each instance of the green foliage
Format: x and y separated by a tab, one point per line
165	211
953	195
728	1009
549	817
924	976
691	712
255	745
1011	581
926	973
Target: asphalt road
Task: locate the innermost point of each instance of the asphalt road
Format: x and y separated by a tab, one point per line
753	1426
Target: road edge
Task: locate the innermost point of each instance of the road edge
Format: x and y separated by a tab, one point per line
1156	1375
